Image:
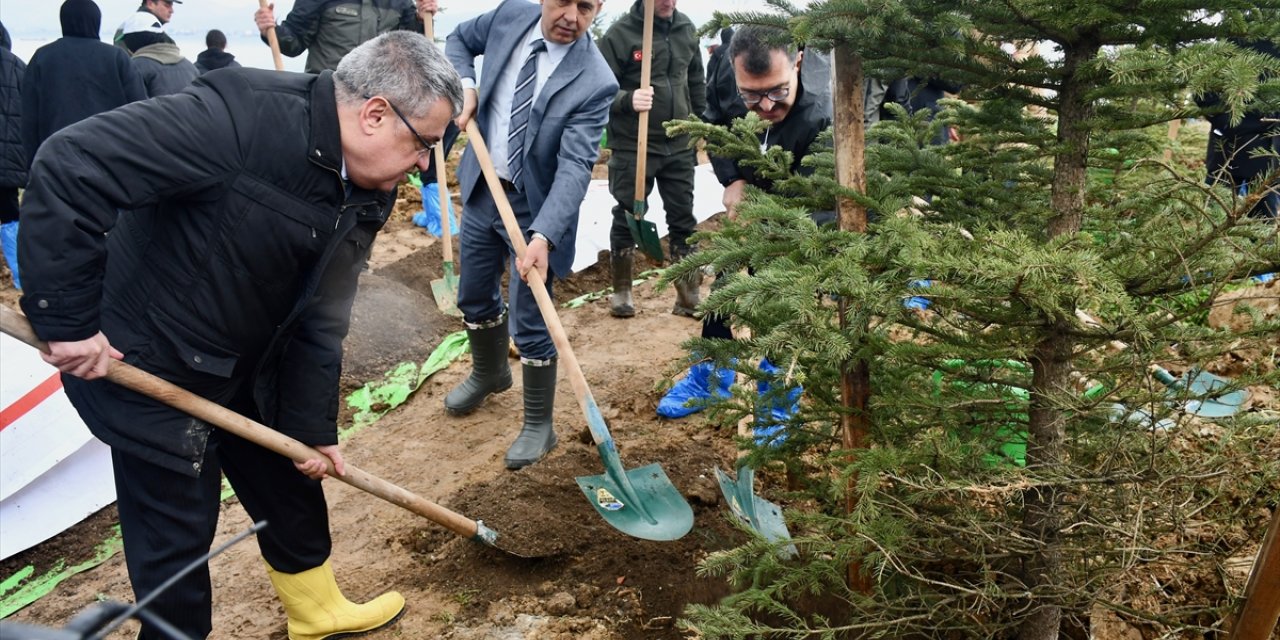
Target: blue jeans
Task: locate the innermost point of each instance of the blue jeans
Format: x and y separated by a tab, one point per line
484	253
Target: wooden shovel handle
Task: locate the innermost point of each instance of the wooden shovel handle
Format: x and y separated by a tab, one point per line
273	41
130	377
642	131
442	183
548	308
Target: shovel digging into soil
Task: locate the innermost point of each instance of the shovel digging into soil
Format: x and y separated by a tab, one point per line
641	502
130	377
761	515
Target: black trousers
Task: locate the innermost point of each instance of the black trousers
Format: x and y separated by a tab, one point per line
168	520
674	175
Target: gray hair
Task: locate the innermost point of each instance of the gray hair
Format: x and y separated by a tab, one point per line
403	67
757	43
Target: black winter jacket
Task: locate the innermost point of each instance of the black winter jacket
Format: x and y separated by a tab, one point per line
222	257
679	86
13	159
795	133
71	79
328	29
163	69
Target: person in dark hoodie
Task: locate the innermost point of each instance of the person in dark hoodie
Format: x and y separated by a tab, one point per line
74	77
215	57
157	58
13	161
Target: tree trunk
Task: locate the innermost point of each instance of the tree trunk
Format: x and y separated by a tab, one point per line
855	375
1051	361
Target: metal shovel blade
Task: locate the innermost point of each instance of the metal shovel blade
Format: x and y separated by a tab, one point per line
644	233
761	515
445	291
1205	395
641	503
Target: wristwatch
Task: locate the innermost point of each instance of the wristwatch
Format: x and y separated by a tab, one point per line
550	245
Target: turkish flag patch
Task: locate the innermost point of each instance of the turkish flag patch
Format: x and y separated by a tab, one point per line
637	55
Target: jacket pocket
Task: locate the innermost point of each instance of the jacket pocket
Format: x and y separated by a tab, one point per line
274	237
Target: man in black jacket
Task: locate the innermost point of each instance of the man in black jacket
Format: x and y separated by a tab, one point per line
768	80
224	258
677	90
74	77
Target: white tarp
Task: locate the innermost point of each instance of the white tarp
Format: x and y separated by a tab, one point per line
596	214
53	472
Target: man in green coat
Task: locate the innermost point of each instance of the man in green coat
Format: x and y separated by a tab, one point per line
677	89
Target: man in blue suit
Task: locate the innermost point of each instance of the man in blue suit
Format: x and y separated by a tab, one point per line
543	102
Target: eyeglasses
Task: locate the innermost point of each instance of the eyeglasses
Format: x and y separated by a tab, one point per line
776	94
426	146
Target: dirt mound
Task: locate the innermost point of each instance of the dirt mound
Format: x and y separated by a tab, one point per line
604	573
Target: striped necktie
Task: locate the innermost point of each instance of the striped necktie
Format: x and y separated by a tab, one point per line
521	105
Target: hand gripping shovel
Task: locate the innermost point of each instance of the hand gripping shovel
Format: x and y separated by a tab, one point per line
130	377
445	290
761	515
273	41
644	232
1202	392
641	502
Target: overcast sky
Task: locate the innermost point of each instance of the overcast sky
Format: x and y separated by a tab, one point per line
39	18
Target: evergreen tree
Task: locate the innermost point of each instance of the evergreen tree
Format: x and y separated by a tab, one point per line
1054	201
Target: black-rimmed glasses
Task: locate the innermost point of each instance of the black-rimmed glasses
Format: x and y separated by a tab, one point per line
776	94
426	146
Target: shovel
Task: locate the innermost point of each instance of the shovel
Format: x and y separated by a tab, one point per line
130	377
445	290
1203	392
641	502
761	515
644	232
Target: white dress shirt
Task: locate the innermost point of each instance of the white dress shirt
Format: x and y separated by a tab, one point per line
499	115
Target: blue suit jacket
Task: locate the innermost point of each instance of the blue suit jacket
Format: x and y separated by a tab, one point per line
563	139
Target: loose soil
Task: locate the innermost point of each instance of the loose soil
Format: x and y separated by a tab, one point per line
587	579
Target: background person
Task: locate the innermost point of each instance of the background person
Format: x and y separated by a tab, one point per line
156	56
215	55
768	79
74	77
542	103
224	258
678	89
328	29
13	159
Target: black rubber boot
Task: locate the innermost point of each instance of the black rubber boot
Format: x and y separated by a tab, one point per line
621	264
538	435
688	287
490	371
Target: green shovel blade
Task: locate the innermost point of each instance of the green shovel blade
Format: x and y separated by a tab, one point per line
641	503
445	291
761	515
644	233
1207	396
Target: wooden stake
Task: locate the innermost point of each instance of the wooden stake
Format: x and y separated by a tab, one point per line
273	41
1262	595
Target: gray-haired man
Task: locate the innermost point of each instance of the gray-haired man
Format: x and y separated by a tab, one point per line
231	272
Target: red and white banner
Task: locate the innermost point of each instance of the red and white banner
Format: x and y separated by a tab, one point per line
53	472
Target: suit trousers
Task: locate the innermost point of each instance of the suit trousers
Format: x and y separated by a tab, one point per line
674	175
485	252
168	520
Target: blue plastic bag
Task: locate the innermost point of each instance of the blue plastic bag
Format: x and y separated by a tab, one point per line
429	217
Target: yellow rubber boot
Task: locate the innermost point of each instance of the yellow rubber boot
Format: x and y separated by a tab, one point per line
318	611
